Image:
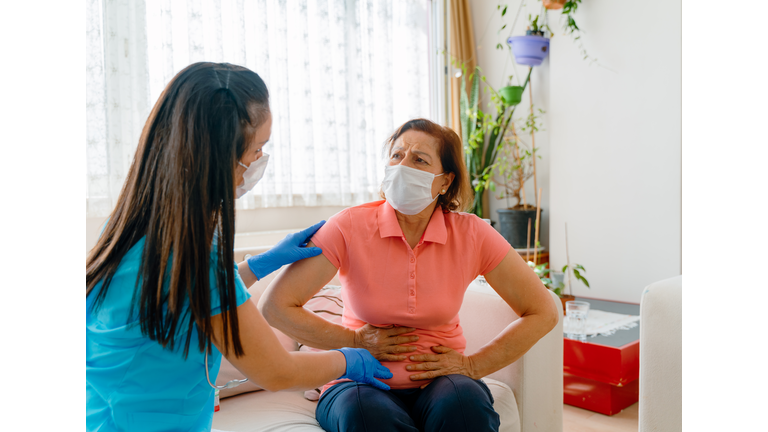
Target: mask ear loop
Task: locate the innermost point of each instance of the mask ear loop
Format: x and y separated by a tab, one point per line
438	194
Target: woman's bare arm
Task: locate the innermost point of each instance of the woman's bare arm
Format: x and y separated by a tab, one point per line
266	362
523	291
283	307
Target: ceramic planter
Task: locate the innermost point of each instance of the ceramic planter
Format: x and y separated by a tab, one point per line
513	225
529	50
512	95
553	4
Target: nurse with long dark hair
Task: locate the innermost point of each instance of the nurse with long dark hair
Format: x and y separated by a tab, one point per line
164	296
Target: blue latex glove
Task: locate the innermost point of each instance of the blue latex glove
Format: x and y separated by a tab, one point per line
290	249
363	367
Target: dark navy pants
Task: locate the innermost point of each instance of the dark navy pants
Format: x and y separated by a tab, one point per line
449	403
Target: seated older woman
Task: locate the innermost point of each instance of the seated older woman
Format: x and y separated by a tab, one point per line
404	264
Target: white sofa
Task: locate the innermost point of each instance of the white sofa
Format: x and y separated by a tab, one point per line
661	357
535	402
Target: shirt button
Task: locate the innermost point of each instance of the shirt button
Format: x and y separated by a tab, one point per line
413	259
413	292
411	310
413	275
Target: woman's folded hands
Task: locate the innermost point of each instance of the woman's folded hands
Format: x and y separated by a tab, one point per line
445	361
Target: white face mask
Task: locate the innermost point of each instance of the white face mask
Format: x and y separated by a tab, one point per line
252	174
407	189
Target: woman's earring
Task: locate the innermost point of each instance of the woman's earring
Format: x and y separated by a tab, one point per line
443	191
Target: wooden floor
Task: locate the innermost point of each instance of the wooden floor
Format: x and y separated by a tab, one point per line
580	420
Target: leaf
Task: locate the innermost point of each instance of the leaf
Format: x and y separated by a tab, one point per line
580	267
565	267
499	46
504	12
576	273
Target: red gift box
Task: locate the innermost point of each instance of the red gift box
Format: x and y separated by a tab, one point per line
600	378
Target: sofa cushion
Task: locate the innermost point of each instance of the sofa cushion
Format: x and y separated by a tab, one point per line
290	411
228	372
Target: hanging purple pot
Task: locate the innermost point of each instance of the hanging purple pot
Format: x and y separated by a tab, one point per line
529	50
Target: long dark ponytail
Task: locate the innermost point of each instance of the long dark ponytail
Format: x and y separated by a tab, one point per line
179	194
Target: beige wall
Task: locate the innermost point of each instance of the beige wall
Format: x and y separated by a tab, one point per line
616	147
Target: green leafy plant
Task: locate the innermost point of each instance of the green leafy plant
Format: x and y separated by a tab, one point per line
569	10
575	269
539	23
555	286
536	27
482	132
515	164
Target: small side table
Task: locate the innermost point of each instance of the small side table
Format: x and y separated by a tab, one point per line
541	257
601	374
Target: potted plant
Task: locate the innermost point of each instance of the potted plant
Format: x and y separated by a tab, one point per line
515	165
557	286
553	4
531	49
513	168
483	132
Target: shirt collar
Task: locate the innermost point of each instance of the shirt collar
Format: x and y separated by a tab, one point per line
389	227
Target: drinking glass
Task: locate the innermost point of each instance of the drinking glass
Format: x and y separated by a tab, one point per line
576	320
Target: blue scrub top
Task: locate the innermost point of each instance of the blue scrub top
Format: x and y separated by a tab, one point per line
133	383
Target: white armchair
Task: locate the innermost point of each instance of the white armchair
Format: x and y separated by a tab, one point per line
535	402
661	353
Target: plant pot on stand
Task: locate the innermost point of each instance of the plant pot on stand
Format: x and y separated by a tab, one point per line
513	224
531	49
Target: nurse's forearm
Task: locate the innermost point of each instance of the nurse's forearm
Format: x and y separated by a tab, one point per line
511	344
246	274
310	370
307	328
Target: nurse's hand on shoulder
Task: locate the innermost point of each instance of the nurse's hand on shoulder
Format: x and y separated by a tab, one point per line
290	249
362	367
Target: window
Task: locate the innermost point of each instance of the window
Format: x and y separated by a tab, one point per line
342	75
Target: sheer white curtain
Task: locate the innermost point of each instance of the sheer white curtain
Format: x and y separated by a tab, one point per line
342	75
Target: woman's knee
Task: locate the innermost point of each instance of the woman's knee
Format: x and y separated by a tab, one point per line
456	402
462	388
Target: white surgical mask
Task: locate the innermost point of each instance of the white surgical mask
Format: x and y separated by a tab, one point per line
253	173
407	189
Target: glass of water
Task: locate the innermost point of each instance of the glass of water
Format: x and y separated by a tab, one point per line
576	320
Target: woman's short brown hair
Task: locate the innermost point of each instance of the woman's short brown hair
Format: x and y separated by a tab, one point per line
459	195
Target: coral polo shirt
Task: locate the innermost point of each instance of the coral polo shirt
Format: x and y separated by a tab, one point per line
385	282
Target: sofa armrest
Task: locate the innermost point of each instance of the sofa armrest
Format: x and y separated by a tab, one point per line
537	378
661	356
